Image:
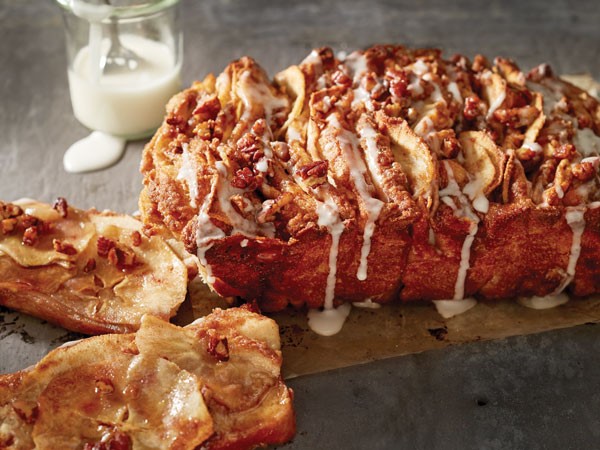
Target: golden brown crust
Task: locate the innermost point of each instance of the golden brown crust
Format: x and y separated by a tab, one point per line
215	383
87	271
432	169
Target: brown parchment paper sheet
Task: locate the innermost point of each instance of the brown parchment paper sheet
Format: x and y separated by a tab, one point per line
401	329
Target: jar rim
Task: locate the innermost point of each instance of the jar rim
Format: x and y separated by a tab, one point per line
101	12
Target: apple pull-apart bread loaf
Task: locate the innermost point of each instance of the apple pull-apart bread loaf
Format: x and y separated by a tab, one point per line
88	271
389	173
215	384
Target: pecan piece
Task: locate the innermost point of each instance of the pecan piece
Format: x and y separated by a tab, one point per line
63	247
245	179
121	259
30	236
104	246
89	265
565	151
136	238
118	441
585	170
218	348
315	169
61	206
473	107
8	225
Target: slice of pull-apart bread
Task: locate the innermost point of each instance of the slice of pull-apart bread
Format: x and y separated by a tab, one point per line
214	384
88	271
388	173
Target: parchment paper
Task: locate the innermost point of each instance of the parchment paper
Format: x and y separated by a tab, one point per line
400	329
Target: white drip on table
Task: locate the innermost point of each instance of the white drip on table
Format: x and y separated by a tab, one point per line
94	152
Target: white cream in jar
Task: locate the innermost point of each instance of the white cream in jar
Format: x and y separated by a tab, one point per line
128	104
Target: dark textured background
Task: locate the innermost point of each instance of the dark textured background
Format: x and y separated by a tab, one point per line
527	392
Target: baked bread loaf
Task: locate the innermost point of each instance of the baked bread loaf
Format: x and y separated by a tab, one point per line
87	271
214	384
388	173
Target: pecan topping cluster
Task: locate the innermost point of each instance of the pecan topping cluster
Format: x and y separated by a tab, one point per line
118	255
13	219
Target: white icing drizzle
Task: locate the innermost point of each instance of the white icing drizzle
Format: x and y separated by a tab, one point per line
367	304
533	146
357	66
257	93
576	220
587	142
329	321
373	206
361	95
451	308
188	172
453	189
496	104
293	134
206	231
419	67
546	302
474	190
314	60
455	91
328	216
415	85
368	133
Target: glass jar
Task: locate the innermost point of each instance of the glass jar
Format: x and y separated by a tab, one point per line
124	62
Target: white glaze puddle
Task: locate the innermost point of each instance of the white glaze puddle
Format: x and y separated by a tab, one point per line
94	152
451	308
367	304
576	220
328	321
546	302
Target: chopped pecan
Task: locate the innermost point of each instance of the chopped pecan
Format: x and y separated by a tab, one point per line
473	107
516	117
104	246
315	169
116	441
250	147
399	82
246	179
27	412
218	348
540	72
8	225
341	79
136	238
122	259
8	210
565	151
89	265
208	107
282	150
584	171
63	247
104	386
480	63
61	206
30	236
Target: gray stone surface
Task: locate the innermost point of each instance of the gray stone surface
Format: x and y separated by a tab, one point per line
539	391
